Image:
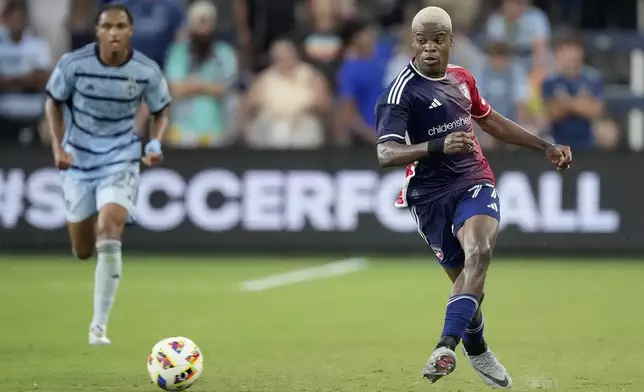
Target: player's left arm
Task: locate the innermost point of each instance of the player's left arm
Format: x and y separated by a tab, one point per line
158	99
510	132
507	131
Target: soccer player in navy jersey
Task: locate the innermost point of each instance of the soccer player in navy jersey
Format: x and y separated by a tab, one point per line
424	121
94	94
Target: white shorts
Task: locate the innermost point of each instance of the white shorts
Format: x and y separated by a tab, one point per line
84	198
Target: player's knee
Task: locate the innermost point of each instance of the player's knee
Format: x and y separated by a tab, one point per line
109	229
110	225
82	252
479	254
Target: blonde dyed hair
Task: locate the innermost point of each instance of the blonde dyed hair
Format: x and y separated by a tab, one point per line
433	15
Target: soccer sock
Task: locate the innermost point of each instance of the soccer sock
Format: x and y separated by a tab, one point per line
106	280
473	338
460	311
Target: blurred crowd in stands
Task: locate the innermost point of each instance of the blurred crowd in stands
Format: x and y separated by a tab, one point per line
305	74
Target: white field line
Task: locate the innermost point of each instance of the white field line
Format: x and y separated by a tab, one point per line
338	268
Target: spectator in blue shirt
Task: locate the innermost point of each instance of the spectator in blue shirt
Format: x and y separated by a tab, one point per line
361	81
156	25
573	96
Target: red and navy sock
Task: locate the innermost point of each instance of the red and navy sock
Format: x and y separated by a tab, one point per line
461	309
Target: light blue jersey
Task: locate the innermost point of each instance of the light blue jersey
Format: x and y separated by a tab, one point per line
101	102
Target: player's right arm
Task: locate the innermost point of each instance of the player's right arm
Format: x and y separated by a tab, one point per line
59	89
392	148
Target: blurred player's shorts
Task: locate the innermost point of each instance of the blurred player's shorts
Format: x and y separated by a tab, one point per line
84	198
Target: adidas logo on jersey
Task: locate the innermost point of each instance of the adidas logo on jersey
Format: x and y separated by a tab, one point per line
435	103
494	207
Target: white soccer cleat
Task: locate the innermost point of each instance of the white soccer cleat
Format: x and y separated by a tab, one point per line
490	369
441	363
98	336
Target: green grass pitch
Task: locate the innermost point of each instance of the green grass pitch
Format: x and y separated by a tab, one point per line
557	325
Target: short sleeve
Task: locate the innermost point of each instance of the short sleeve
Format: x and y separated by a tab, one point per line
61	82
157	94
480	107
391	121
346	80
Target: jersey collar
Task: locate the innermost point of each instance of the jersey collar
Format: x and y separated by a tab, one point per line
127	59
413	67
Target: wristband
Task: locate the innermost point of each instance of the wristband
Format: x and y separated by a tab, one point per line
436	146
153	146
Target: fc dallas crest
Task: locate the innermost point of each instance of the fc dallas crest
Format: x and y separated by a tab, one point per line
438	252
465	90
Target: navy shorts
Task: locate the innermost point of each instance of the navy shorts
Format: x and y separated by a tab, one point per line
438	221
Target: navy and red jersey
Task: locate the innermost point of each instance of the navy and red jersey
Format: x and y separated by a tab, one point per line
416	109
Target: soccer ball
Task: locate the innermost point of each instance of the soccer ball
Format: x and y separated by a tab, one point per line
175	363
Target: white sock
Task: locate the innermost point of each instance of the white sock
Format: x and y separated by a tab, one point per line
106	280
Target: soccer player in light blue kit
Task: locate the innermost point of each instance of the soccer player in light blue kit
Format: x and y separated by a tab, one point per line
94	95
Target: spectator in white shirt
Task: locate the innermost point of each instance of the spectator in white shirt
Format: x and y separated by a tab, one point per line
25	62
